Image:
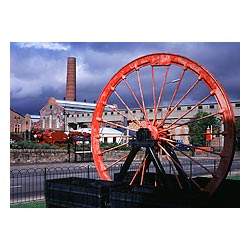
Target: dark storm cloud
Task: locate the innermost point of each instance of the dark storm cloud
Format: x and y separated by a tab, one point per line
223	61
38	70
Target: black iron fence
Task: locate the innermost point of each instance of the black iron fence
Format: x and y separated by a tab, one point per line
28	185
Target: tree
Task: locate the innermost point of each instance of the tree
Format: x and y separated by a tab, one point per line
197	129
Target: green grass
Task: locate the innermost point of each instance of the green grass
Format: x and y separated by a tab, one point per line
35	204
235	177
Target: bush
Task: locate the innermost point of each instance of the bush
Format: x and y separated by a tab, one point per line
45	146
31	145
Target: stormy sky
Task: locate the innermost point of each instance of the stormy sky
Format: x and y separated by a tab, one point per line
38	70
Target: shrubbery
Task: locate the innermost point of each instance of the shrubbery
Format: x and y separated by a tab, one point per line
31	145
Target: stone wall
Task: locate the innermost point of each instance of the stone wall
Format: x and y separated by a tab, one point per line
118	154
26	156
38	155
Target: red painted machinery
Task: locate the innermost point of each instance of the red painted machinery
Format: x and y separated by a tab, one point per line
147	91
59	138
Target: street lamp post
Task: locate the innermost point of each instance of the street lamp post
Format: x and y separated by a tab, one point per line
174	81
64	114
65	120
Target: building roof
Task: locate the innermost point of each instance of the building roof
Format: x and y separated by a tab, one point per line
110	131
16	112
35	118
78	106
103	131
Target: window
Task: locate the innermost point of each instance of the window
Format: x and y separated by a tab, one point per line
188	107
237	105
151	110
15	128
178	108
58	122
200	107
43	125
50	121
211	106
50	106
134	111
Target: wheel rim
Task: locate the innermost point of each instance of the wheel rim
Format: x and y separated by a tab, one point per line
128	88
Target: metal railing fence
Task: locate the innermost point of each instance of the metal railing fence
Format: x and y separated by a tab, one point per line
27	185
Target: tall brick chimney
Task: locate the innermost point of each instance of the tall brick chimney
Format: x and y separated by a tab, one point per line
71	79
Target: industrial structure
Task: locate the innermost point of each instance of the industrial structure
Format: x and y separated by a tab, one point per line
149	136
156	135
68	114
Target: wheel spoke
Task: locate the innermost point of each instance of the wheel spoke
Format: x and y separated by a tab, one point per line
129	110
125	116
153	90
161	93
115	124
190	110
208	151
142	96
169	140
176	90
172	167
133	94
177	104
195	120
166	139
196	162
117	161
143	170
187	134
113	148
136	173
180	167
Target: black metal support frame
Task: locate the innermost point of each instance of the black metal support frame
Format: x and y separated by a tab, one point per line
144	140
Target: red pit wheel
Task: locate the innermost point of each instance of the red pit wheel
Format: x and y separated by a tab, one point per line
150	94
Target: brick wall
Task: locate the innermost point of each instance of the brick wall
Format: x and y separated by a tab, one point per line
52	117
17	122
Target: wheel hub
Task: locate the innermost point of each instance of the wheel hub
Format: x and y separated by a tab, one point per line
154	131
